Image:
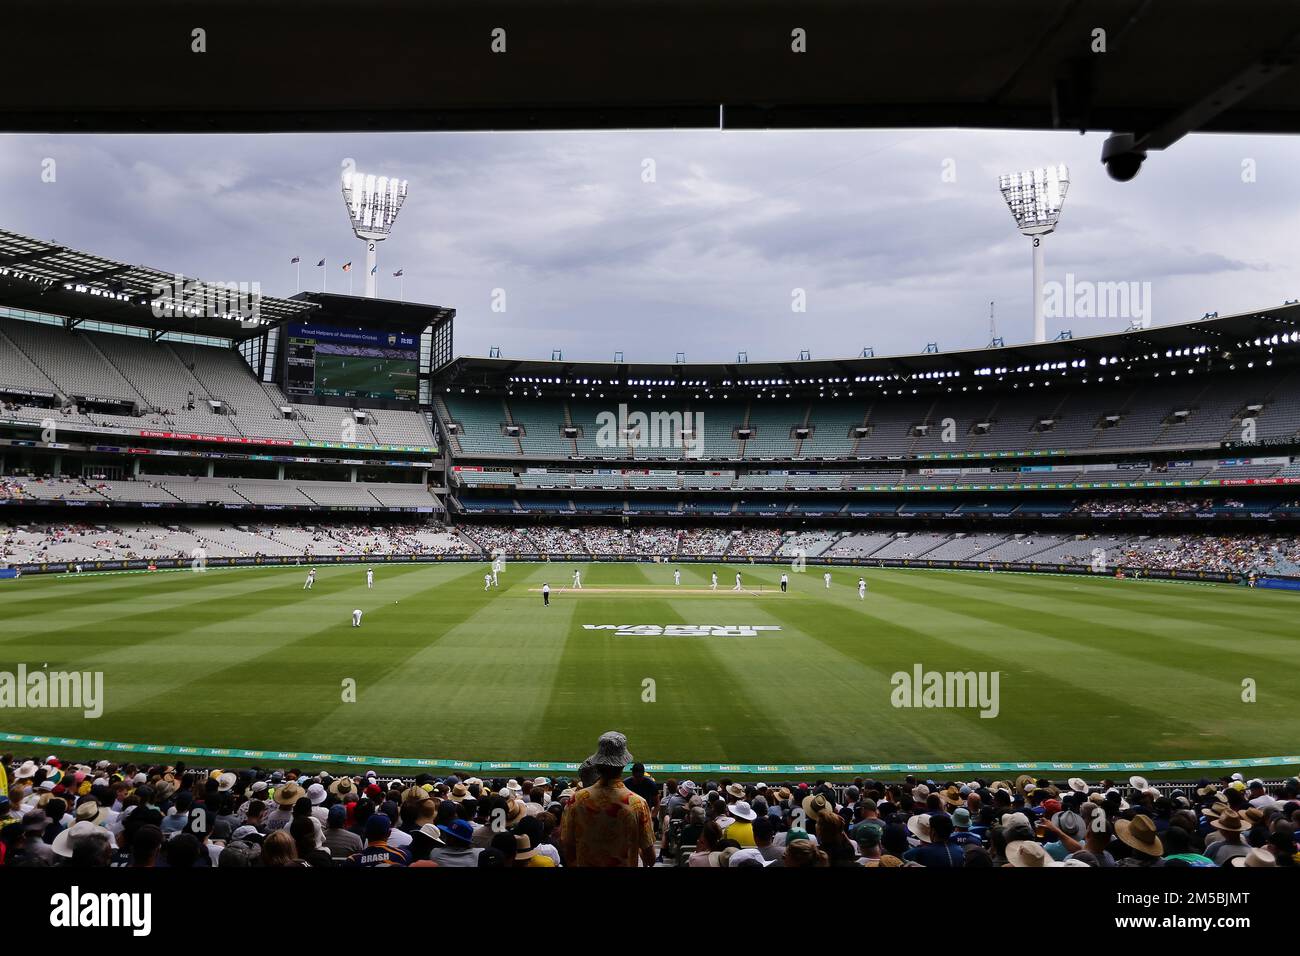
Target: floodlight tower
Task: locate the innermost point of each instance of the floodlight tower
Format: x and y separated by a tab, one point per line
1035	198
373	204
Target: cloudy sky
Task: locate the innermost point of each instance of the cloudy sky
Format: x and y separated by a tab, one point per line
897	238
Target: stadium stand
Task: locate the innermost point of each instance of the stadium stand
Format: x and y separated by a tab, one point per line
27	542
1091	418
171	385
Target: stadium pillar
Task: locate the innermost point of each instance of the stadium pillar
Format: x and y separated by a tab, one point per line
1040	324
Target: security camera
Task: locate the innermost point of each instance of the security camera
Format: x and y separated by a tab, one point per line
1121	157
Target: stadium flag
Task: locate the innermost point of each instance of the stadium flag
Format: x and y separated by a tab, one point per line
347	267
397	274
319	264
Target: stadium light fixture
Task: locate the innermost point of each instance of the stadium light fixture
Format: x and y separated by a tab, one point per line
373	204
1035	198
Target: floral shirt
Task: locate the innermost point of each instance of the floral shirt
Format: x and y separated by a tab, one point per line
606	825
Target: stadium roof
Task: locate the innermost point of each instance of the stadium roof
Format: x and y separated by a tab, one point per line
375	313
1221	336
48	277
1167	68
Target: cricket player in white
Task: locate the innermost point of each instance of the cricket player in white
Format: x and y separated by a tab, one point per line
677	576
487	582
713	586
862	589
577	579
356	618
737	587
827	578
495	571
370	577
311	579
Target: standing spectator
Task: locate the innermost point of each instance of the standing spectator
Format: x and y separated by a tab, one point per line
607	824
644	786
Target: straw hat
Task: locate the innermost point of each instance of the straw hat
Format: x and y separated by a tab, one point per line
1028	853
289	794
1140	834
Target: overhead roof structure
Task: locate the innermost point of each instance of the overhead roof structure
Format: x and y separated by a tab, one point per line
375	313
1151	69
45	276
1217	339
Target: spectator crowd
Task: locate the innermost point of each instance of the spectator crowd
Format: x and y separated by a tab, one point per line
60	812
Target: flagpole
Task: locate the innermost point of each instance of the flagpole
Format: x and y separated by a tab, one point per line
297	282
325	274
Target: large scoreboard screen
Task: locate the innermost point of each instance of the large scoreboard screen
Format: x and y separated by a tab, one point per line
323	360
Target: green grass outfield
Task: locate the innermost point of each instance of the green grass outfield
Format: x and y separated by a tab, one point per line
1091	669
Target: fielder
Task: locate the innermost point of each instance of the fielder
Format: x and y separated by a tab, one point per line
577	579
862	589
737	587
495	571
713	586
677	576
356	618
487	581
827	578
311	579
370	578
